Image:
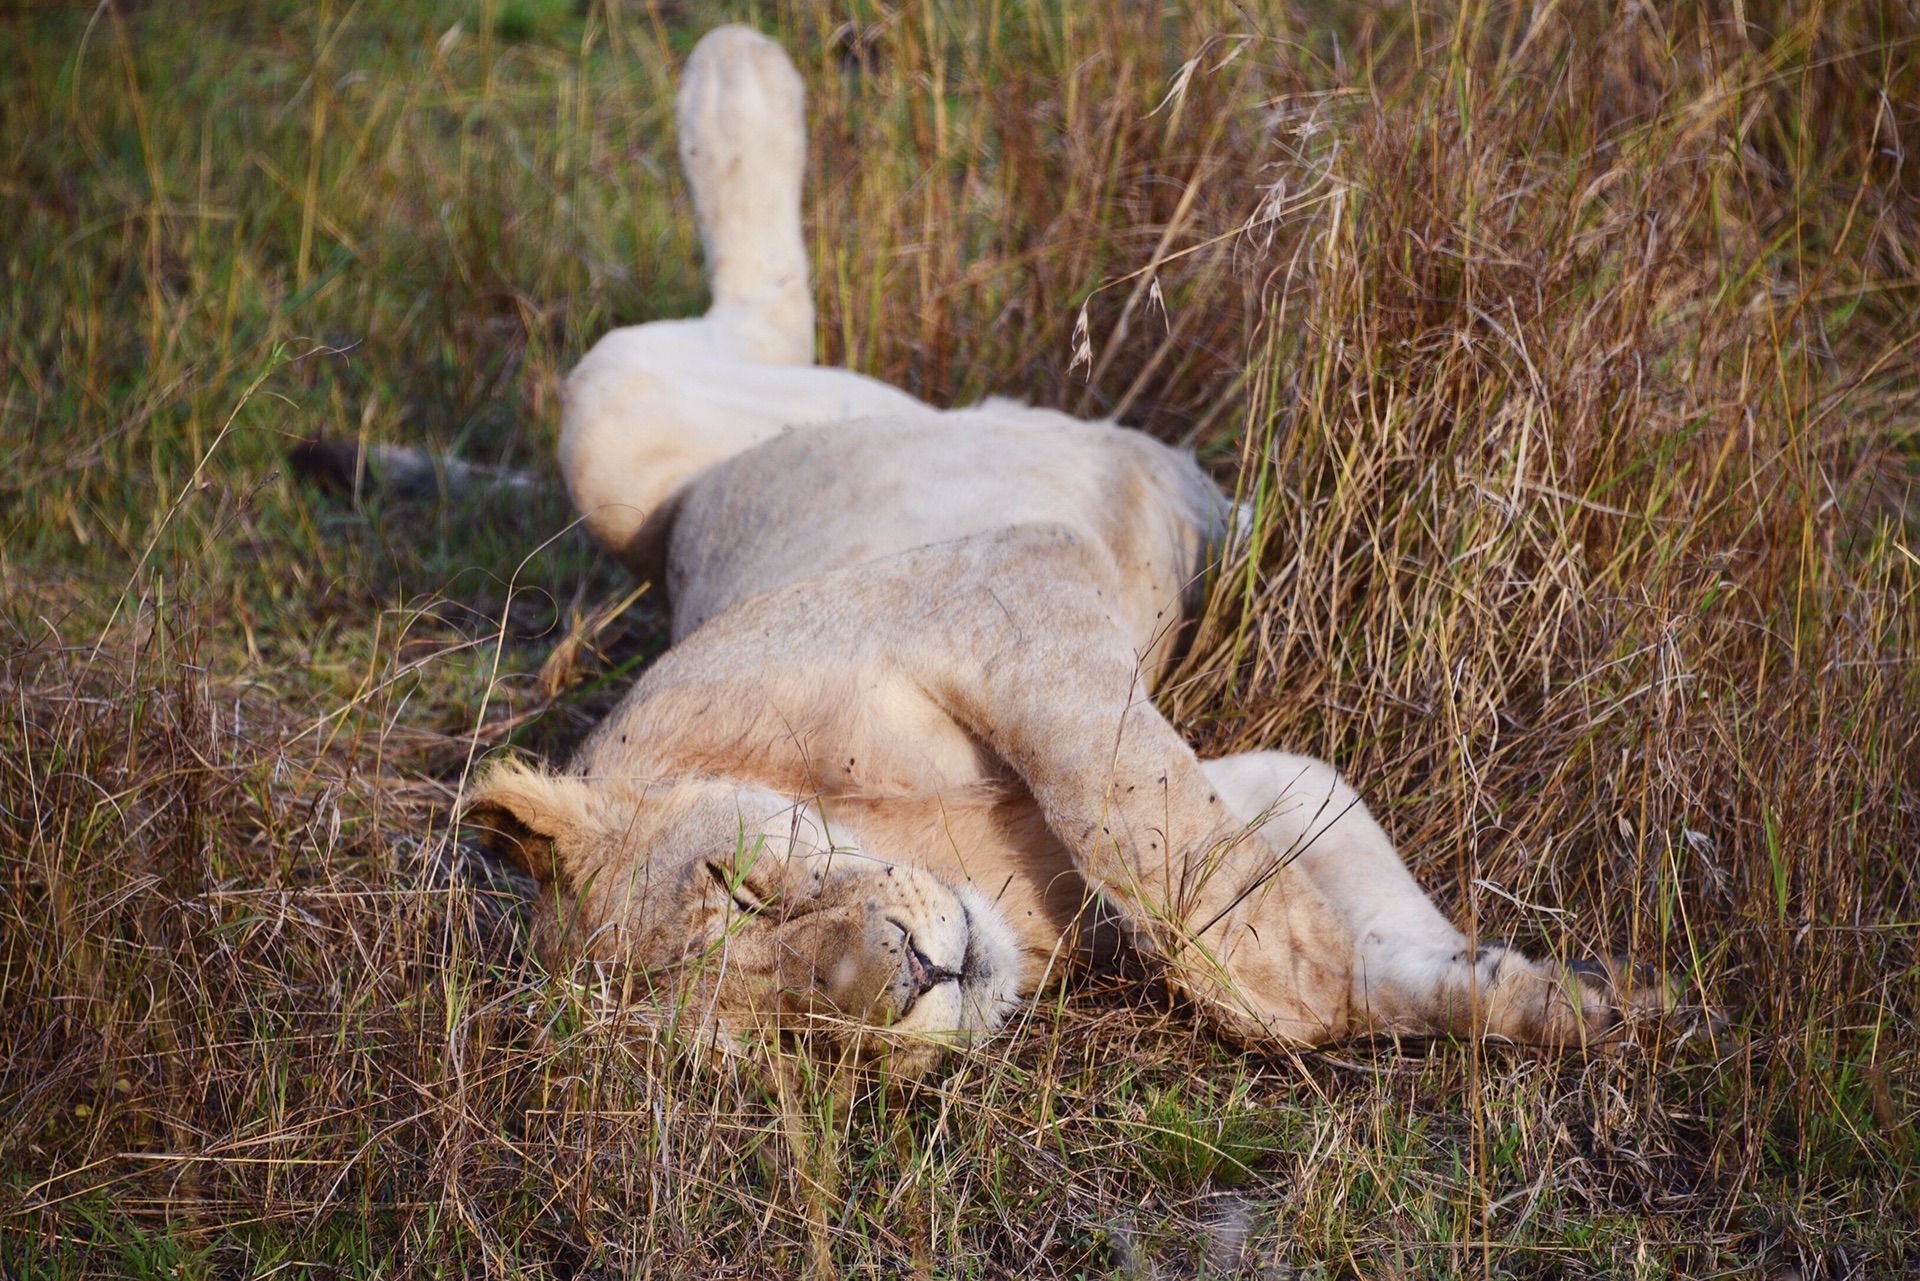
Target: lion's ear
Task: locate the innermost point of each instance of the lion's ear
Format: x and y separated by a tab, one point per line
524	813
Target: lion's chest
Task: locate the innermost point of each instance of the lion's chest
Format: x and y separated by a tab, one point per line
882	736
837	728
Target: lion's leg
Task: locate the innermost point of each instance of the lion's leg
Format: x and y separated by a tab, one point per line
1310	929
652	405
743	145
1278	963
1412	971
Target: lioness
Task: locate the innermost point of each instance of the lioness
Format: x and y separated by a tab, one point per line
901	757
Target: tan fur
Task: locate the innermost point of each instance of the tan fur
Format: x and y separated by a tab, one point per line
901	757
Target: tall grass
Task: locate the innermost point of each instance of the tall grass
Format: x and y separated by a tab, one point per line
1566	353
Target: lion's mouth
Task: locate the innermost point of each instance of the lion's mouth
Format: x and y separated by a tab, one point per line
923	974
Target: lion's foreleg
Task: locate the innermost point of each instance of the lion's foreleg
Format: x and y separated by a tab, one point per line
1040	668
1412	972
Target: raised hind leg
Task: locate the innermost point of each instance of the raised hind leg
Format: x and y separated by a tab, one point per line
741	112
1412	971
652	405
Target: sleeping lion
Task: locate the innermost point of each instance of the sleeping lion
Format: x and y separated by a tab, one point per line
902	759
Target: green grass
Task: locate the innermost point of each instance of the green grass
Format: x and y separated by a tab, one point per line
1574	380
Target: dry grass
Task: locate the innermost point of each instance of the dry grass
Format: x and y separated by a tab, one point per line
1568	355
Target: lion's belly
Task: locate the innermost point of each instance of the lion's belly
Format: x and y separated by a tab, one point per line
831	497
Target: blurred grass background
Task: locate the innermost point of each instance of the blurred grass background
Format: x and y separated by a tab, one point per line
1567	353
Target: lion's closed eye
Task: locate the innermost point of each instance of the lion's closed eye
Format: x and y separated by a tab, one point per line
736	888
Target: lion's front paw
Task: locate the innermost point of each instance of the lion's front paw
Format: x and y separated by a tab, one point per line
1620	1000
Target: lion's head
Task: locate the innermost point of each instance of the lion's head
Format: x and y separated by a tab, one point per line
742	904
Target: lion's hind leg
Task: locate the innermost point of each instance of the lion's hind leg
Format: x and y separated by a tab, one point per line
1413	973
741	112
